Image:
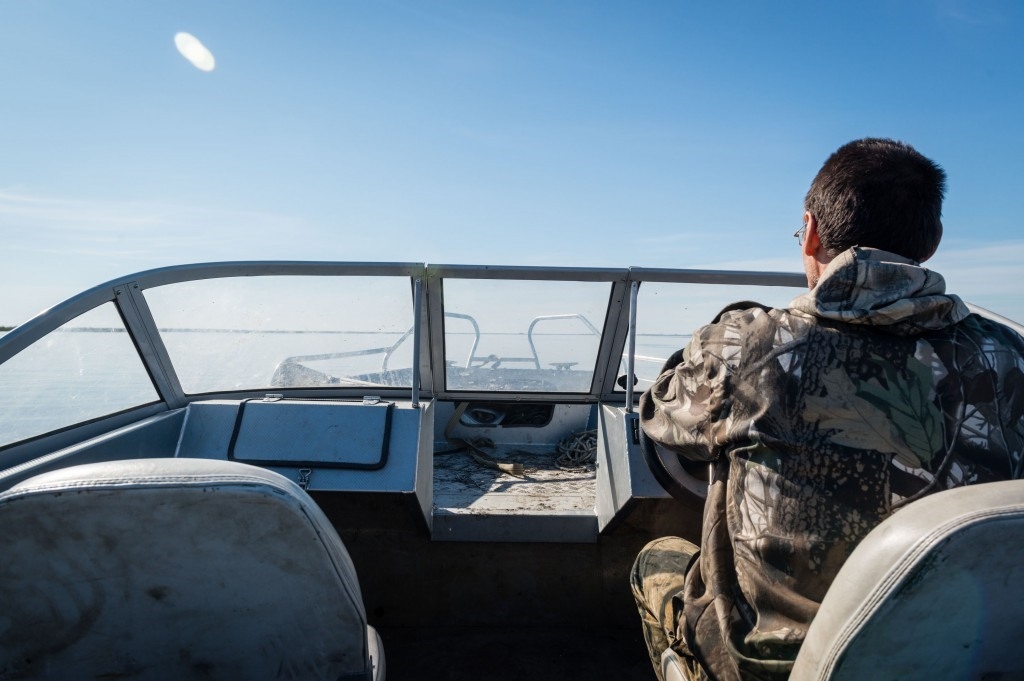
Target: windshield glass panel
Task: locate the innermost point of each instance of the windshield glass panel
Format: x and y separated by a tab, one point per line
83	370
668	313
247	333
532	336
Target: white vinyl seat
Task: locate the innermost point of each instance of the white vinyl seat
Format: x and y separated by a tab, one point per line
176	569
934	592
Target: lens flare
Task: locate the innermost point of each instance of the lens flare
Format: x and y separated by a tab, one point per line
193	50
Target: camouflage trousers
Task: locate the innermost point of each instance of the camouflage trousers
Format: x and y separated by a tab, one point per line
657	581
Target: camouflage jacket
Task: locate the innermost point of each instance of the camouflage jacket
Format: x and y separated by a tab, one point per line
871	390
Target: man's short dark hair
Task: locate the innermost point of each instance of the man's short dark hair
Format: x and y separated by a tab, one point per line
878	193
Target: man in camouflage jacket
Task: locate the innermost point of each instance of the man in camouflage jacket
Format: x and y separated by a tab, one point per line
871	390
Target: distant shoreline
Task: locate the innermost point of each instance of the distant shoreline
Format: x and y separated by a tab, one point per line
6	328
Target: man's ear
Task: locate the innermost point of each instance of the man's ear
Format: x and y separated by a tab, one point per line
812	242
936	247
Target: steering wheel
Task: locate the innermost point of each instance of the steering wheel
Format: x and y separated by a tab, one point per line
680	478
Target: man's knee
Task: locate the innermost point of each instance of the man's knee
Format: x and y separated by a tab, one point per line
657	579
659	571
666	555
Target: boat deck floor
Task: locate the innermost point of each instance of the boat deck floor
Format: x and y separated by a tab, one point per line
501	611
515	654
463	485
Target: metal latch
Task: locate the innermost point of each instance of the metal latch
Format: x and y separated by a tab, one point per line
634	430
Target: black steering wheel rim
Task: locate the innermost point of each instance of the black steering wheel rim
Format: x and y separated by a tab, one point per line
668	470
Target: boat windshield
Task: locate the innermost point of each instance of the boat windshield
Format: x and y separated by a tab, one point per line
250	333
453	332
85	369
530	336
668	312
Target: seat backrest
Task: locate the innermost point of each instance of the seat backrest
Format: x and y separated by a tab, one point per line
934	592
174	569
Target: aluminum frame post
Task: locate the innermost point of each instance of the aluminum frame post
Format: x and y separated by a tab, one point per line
634	287
417	306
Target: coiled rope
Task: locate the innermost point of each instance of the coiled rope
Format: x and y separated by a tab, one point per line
577	451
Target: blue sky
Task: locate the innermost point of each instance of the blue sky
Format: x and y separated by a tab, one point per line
658	134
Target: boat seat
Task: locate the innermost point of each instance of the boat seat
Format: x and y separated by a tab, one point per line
934	592
176	568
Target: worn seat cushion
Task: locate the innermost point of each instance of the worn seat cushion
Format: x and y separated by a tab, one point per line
174	568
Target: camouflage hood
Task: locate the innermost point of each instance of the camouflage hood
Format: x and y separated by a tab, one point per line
881	289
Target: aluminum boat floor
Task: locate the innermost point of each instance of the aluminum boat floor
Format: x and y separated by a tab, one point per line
549	503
